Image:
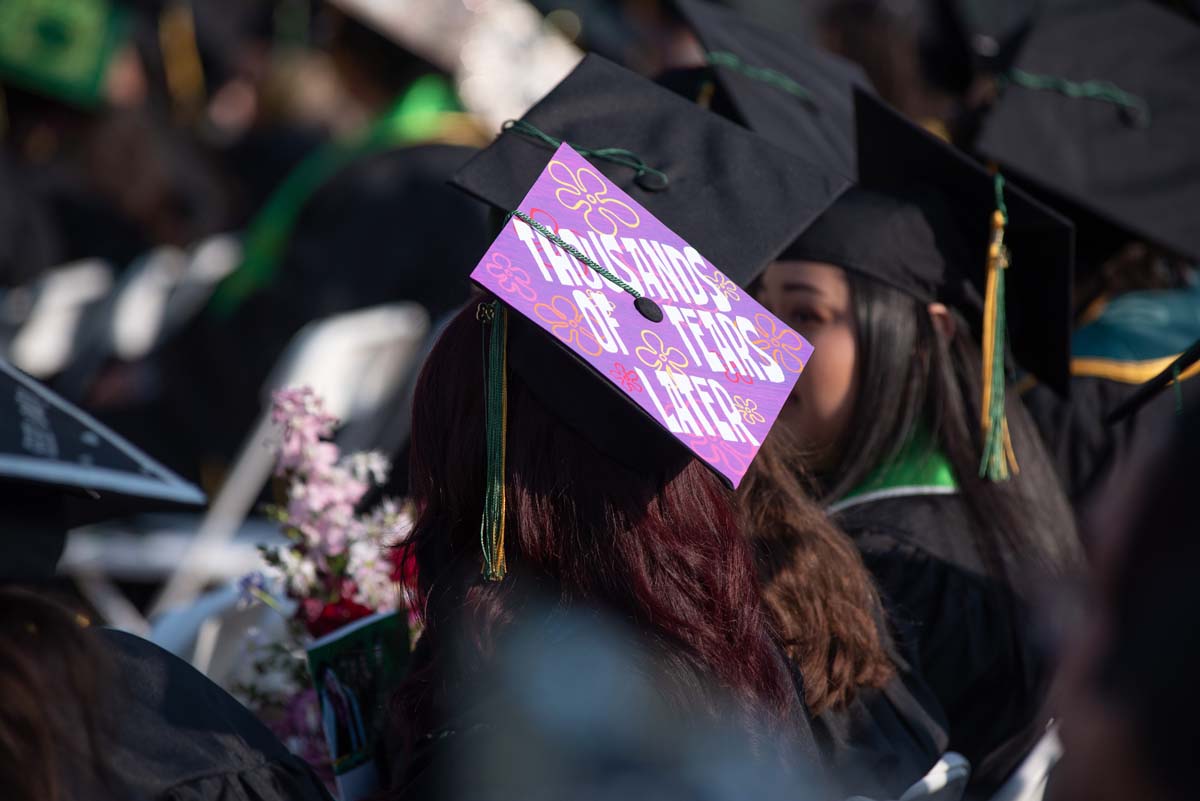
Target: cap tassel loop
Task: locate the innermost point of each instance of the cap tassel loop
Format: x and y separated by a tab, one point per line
1135	109
765	75
494	317
999	460
644	175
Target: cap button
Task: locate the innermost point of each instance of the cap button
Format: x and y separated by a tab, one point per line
648	309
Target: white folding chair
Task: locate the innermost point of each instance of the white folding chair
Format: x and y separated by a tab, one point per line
59	302
355	362
209	262
1028	782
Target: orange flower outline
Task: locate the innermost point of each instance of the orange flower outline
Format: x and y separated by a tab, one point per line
565	324
585	188
783	345
748	409
659	356
722	284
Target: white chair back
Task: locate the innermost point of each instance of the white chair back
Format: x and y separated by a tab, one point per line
59	302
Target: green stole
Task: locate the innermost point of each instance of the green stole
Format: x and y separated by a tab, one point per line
919	469
416	116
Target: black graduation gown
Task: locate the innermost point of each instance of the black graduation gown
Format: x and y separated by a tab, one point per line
884	740
965	633
170	734
1091	456
385	229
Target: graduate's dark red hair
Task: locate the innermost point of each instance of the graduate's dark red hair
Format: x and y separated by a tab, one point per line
658	548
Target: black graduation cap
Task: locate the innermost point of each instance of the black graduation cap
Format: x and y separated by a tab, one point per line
60	468
733	195
1102	107
960	39
789	91
921	221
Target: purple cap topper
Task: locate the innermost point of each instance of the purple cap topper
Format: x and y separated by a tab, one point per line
714	372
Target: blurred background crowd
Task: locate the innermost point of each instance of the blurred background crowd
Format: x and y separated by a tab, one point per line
204	201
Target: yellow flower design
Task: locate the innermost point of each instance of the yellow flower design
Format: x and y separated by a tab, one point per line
783	344
722	284
748	409
657	355
565	322
585	189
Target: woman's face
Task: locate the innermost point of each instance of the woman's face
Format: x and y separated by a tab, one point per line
814	299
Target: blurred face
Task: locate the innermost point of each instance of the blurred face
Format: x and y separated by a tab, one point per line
814	299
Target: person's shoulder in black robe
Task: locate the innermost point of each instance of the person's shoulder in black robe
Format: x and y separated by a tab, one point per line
885	739
170	734
965	632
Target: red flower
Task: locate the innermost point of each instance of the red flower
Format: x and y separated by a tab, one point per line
321	618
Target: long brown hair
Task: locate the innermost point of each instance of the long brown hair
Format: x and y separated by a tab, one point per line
1023	523
813	580
658	547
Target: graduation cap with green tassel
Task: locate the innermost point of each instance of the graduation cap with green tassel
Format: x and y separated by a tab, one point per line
60	48
930	221
631	216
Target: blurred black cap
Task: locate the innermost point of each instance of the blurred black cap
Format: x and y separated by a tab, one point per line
1102	107
734	196
789	91
920	221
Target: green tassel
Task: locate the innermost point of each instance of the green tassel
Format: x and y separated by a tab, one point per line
494	317
998	461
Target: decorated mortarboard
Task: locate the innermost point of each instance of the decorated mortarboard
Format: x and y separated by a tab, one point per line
49	446
780	86
1101	108
933	223
624	328
613	320
61	49
734	196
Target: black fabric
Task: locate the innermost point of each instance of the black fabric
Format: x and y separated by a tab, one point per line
884	236
1094	459
941	194
735	197
620	430
386	229
885	739
29	242
170	734
1144	179
820	128
967	634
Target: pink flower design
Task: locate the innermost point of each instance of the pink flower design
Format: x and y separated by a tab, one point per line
783	344
657	355
585	189
510	278
626	378
726	287
732	457
748	409
735	375
565	322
